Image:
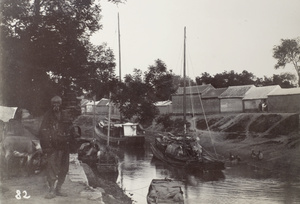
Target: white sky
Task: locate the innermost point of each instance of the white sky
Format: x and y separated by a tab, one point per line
221	34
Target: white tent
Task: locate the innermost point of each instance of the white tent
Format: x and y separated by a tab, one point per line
7	113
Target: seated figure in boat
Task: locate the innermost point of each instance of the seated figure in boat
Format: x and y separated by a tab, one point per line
87	152
180	151
106	156
197	150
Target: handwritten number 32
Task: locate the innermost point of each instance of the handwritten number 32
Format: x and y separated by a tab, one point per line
19	196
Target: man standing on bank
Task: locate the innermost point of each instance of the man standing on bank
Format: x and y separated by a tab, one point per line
55	140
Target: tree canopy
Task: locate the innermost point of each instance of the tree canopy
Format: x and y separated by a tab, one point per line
231	78
227	78
288	52
136	98
45	51
138	93
161	80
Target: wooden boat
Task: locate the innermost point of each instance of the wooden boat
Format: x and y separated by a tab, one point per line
164	191
184	152
88	151
103	160
107	162
120	133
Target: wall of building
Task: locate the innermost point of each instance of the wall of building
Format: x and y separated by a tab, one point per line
193	105
251	105
231	105
284	103
165	109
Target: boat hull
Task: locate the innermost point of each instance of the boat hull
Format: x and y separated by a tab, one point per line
164	191
107	168
192	163
138	140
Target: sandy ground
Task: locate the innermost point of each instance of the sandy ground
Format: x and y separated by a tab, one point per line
36	188
33	188
78	192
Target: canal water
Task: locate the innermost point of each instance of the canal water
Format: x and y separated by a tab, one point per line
235	185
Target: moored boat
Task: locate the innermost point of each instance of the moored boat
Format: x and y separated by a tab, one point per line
185	152
104	161
121	133
165	191
107	162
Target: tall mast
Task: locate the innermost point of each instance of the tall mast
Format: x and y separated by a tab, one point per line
109	116
184	82
119	38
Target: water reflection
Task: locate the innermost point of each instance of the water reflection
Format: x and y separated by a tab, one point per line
236	184
192	176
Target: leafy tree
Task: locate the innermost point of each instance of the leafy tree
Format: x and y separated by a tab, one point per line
161	80
288	52
284	80
188	81
227	78
98	75
205	78
166	121
136	98
45	46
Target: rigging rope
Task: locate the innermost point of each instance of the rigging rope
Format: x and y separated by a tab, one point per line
205	118
199	94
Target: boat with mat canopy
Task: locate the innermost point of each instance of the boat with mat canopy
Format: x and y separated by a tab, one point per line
184	150
164	191
120	133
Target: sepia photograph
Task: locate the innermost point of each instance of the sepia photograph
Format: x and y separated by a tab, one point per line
149	101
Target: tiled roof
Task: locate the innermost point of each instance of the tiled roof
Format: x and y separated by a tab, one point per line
213	93
163	103
194	89
290	91
260	92
84	102
103	102
236	91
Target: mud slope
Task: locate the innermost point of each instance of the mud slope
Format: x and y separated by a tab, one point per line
275	135
251	123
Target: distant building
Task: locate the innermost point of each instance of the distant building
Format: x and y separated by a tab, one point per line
231	100
83	105
284	101
211	101
256	95
193	94
164	107
100	107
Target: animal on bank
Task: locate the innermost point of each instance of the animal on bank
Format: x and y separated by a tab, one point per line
257	156
234	158
21	147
